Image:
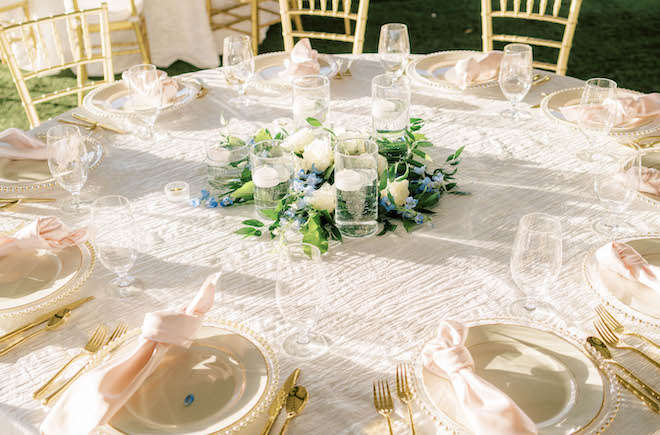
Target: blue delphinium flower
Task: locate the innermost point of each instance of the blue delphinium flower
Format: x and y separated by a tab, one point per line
195	202
226	201
290	213
283	222
205	194
411	203
301	175
419	171
408	214
419	219
212	203
308	190
425	184
314	170
439	177
314	179
302	203
387	204
251	141
298	186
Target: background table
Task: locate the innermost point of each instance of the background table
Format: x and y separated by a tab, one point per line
386	293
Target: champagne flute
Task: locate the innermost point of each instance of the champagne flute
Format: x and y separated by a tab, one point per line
394	48
516	78
145	97
536	260
238	65
115	238
301	297
67	161
596	113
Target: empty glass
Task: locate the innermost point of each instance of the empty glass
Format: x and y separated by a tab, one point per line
238	65
536	260
272	169
145	96
394	48
115	238
616	179
596	114
390	105
356	183
516	77
311	99
301	296
68	162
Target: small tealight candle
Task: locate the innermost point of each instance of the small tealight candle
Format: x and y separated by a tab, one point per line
266	177
177	191
219	155
383	108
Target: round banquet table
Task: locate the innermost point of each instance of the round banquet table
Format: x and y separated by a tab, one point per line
386	294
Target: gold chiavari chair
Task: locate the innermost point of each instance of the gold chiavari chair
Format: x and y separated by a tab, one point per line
531	12
12	13
73	50
232	13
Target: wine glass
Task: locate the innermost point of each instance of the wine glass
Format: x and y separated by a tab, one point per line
67	161
536	260
516	78
238	65
301	297
115	238
616	180
596	113
145	97
394	48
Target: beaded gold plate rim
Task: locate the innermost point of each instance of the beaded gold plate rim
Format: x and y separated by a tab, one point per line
334	69
412	72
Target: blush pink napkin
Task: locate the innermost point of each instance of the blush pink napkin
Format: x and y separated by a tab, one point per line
467	71
649	179
168	85
302	61
100	393
44	233
624	260
631	111
16	145
488	409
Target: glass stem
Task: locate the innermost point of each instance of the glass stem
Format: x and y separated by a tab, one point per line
75	199
530	305
303	337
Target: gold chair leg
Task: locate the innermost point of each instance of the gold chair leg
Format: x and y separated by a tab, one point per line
255	26
140	35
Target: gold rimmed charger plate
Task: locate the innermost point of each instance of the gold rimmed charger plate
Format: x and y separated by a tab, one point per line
220	385
630	297
651	159
110	100
544	370
433	69
26	175
267	68
552	104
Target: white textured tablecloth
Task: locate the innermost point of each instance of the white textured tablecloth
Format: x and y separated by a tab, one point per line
386	293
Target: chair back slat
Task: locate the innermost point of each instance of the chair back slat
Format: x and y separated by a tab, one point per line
87	40
42	43
543	7
555	8
516	6
58	42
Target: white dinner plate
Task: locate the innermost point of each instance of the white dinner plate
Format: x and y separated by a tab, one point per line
224	380
634	299
110	100
545	371
552	104
435	69
267	68
24	175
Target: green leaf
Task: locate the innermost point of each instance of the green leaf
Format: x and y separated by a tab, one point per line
387	227
423	143
315	234
248	231
244	192
409	224
420	136
336	234
270	213
253	223
235	142
262	135
422	154
450	186
313	122
246	175
458	192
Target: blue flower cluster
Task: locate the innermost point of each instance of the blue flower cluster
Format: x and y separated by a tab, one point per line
210	201
431	184
407	212
307	182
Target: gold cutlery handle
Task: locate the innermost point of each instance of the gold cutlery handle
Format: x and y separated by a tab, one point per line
389	423
6	350
643	384
60	390
641	396
412	424
47	385
17	331
634	334
544	79
642	354
269	425
286	423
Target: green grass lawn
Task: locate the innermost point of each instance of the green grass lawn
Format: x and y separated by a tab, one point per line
617	39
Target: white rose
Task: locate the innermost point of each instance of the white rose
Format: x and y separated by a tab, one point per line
324	198
320	154
399	191
299	140
382	165
299	164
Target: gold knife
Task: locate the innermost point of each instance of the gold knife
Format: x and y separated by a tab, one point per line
100	124
280	399
44	318
28	199
641	396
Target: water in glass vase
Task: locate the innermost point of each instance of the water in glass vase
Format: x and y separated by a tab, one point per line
356	211
389	117
271	184
305	107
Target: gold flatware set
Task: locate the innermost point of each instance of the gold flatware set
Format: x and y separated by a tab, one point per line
347	72
91	124
292	397
9	203
383	397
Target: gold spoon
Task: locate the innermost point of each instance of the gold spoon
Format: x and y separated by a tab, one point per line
55	322
10	204
295	403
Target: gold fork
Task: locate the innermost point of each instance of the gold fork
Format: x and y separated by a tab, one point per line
404	392
383	401
93	345
10	204
611	339
120	330
615	326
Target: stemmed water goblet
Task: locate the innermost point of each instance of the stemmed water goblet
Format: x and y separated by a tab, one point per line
536	260
301	298
67	161
145	97
115	238
515	78
238	65
596	114
394	48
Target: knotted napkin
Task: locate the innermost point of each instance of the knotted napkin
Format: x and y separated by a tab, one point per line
467	71
631	111
624	260
16	145
302	60
168	86
488	409
100	393
649	179
47	233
